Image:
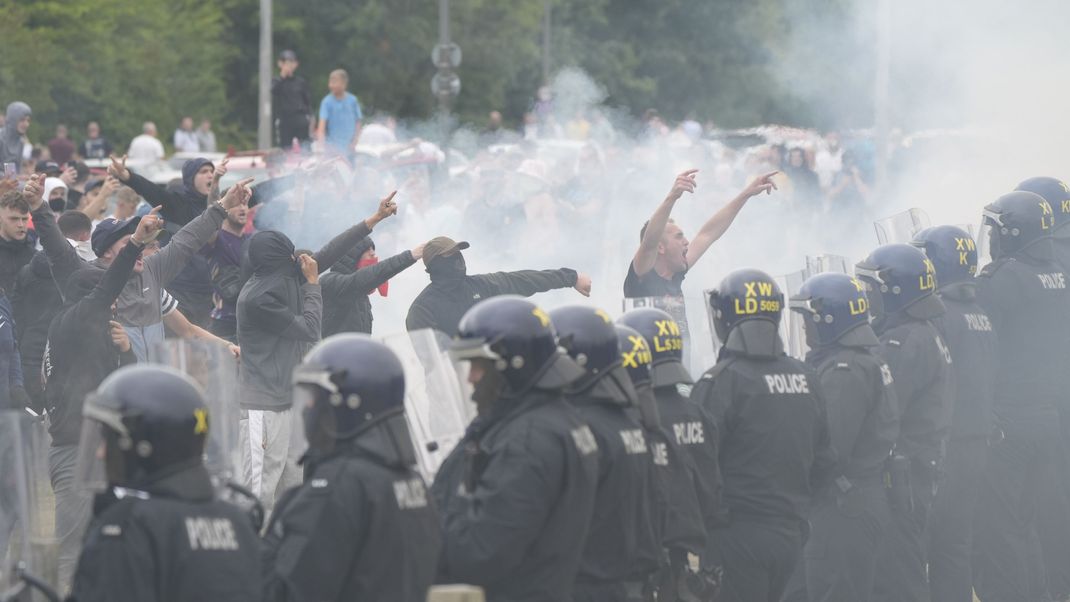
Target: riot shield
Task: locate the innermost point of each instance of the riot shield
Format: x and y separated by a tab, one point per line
901	227
215	369
27	534
820	264
792	331
437	399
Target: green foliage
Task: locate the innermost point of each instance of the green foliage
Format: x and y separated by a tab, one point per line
123	62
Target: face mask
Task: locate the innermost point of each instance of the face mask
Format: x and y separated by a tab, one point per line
384	288
85	250
452	266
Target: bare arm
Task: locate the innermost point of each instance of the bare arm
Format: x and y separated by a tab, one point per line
644	258
718	224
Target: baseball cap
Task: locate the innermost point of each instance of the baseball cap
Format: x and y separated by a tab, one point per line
50	168
110	230
442	246
287	55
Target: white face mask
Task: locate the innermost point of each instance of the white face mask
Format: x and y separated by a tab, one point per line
84	249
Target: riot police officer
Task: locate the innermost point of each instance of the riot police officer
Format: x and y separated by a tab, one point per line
158	532
774	441
900	283
362	525
621	553
693	433
517	493
1025	294
1054	503
968	333
680	528
849	517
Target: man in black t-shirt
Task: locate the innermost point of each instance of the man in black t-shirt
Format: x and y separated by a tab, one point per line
665	255
291	101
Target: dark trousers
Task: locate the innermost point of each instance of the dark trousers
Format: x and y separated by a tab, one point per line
758	559
901	574
951	527
1008	566
840	557
1053	515
289	127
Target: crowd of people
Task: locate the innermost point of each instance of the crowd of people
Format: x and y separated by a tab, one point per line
918	451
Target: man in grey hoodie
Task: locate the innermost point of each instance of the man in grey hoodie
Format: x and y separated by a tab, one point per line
16	122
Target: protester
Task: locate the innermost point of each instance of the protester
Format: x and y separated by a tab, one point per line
16	248
85	344
61	148
56	194
94	146
146	147
206	137
665	255
452	292
126	203
12	136
280	310
356	276
94	202
806	189
76	186
340	116
224	264
292	102
185	138
12	391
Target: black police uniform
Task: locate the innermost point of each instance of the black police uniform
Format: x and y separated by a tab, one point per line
517	493
971	338
1026	299
851	516
1054	504
618	558
171	540
774	446
359	528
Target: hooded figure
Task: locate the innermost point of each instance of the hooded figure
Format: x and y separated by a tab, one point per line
279	318
11	143
60	203
346	288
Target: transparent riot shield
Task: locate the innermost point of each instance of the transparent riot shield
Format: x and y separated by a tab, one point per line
791	323
901	227
28	548
437	398
820	264
215	369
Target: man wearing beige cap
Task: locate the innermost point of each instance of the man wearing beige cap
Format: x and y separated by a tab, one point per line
452	291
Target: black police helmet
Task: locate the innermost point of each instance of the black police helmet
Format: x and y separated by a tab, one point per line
897	276
588	336
745	294
1056	192
1018	220
666	343
833	305
952	251
154	420
635	355
347	383
519	338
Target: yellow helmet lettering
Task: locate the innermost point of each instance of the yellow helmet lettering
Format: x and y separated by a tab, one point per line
201	416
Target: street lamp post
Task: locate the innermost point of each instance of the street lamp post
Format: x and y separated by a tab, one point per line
263	129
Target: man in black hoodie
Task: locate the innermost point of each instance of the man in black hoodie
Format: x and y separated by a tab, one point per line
352	279
85	344
16	248
193	286
280	311
452	291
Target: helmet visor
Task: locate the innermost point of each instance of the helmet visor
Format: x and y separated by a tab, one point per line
91	474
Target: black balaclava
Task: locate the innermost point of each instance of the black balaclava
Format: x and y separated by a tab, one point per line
448	268
272	252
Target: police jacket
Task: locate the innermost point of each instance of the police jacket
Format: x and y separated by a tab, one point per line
920	362
443	302
1027	300
359	528
775	450
863	413
972	339
280	315
170	541
516	497
80	352
622	532
694	437
346	307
